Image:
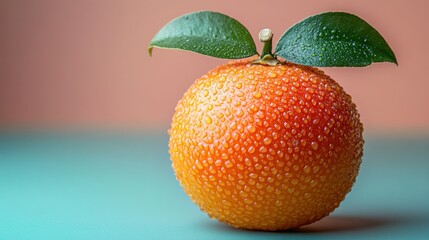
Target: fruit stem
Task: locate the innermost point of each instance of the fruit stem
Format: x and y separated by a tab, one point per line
266	37
267	57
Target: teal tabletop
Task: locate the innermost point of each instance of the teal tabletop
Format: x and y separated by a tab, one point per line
121	186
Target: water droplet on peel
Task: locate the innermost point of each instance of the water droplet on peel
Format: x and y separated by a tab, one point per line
251	149
209	139
253	175
257	95
211	178
294	181
251	128
199	165
267	141
307	169
316	169
326	130
228	164
208	120
218	162
314	145
243	193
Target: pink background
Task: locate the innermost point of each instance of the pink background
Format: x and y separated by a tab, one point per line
84	64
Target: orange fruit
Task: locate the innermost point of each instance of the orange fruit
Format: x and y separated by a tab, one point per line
266	147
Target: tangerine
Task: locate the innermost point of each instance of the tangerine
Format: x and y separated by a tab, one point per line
266	147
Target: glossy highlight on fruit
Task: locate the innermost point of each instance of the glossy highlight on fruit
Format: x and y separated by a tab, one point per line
266	147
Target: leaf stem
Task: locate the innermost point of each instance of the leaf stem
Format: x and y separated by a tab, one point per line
267	57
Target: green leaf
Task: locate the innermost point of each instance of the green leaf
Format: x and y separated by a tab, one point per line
334	39
208	33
